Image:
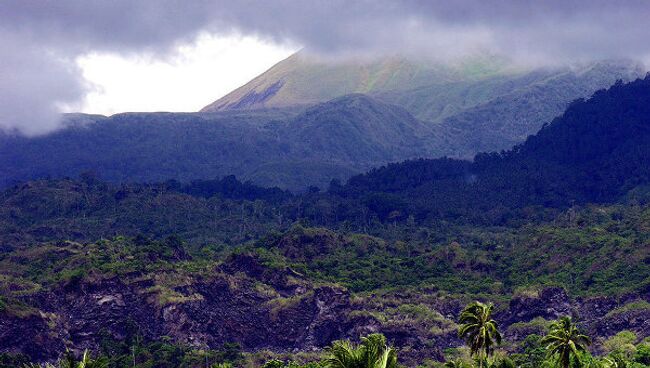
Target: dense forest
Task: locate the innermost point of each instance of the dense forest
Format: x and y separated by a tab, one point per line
195	273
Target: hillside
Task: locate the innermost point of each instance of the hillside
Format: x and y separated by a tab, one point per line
288	148
306	79
481	104
556	226
595	152
357	129
407	110
510	117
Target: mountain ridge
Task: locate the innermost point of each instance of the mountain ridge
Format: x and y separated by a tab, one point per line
306	145
187	146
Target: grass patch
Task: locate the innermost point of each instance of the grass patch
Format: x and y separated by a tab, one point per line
636	305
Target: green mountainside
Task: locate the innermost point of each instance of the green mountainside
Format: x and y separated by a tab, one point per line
305	79
431	91
229	272
301	146
480	104
288	148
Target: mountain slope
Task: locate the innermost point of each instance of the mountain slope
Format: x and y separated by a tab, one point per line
356	128
304	79
471	107
431	91
597	151
477	105
509	118
289	148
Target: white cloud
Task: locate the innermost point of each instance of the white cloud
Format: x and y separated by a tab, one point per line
193	76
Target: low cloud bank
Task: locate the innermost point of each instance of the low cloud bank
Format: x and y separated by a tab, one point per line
41	40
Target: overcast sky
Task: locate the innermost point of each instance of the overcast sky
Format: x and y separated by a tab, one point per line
115	55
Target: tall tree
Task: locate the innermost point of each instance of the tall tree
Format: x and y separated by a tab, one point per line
373	352
565	342
479	330
458	363
69	361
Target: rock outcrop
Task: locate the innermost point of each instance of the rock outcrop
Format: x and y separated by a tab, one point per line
259	307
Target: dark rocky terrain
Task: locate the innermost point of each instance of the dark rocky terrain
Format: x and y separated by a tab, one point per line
260	308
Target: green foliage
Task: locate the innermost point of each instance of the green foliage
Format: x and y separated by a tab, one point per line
166	354
536	325
502	362
13	360
66	209
70	361
564	342
279	304
479	330
621	344
458	363
533	353
638	305
372	352
642	354
16	308
276	363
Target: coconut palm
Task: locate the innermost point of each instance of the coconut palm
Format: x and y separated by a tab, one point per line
68	361
371	353
614	362
342	354
458	363
565	342
479	330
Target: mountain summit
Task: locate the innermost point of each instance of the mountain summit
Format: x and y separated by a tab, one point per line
305	79
431	91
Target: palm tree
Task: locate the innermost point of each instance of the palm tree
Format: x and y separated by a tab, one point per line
479	330
342	354
371	353
87	362
69	361
565	341
458	363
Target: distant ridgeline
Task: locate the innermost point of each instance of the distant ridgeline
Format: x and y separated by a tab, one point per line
597	151
304	123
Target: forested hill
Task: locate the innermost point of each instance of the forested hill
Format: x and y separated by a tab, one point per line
399	250
290	148
299	146
597	151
